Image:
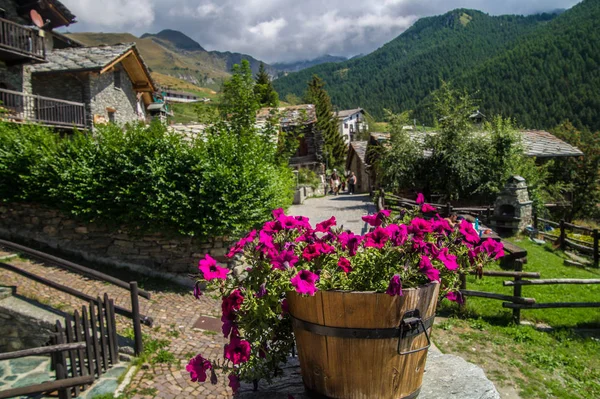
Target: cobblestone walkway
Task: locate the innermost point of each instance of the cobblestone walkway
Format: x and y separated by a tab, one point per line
173	309
347	209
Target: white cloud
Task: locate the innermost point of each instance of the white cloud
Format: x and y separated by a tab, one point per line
283	30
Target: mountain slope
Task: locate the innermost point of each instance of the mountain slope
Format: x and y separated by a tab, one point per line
173	53
402	73
300	65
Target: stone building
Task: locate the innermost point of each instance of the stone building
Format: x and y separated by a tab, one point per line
113	82
357	163
351	123
53	80
299	120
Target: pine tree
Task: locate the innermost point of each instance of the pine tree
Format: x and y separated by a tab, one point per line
334	147
263	88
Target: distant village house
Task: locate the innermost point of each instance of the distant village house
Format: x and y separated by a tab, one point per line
351	122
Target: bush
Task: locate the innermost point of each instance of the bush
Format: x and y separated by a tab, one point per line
146	177
308	177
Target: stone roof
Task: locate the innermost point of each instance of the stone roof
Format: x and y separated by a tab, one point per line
536	143
81	58
290	116
343	114
360	147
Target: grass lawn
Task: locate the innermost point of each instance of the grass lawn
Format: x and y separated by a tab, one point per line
561	363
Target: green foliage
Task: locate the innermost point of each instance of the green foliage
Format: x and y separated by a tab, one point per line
309	178
583	173
263	89
148	178
239	103
539	70
334	147
292	99
164	356
457	161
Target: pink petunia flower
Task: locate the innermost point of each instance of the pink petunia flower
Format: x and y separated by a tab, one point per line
377	219
197	367
492	248
420	199
234	383
287	222
304	282
303	222
308	237
312	251
426	208
455	297
210	270
237	350
327	249
419	227
377	238
262	291
398	233
284	307
427	269
395	287
265	242
325	225
448	259
277	213
349	242
467	230
239	246
284	260
344	264
441	226
232	302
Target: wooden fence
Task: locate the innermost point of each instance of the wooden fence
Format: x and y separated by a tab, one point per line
90	343
587	248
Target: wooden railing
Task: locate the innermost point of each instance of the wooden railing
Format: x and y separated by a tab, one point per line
21	40
19	107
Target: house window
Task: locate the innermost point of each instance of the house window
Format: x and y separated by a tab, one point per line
117	76
111	114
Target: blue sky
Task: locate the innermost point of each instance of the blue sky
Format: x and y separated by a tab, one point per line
283	30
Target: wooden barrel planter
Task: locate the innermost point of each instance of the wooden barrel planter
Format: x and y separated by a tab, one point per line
363	344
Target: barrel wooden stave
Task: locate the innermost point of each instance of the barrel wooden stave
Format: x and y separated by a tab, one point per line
361	368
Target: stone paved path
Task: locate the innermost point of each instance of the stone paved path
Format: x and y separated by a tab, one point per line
347	209
173	309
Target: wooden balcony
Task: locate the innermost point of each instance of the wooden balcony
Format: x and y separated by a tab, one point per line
26	108
19	43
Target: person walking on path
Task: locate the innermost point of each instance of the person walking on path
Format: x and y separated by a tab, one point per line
335	182
351	183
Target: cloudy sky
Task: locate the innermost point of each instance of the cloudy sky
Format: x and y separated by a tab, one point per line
282	30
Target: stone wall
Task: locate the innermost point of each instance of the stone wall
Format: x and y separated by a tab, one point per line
11	77
62	86
104	94
149	252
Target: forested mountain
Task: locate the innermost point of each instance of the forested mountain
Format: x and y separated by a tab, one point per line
300	65
540	68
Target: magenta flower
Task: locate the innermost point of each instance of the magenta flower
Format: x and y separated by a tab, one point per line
395	287
312	251
492	248
210	270
277	213
447	259
349	242
287	222
304	282
271	227
327	249
419	227
234	383
398	233
377	238
239	246
455	297
237	350
325	225
420	199
427	269
197	367
467	230
232	303
426	208
229	326
344	264
284	260
265	242
377	219
441	226
303	222
308	237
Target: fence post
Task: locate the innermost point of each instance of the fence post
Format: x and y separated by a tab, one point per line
448	209
563	235
137	326
488	216
381	200
535	220
518	265
596	249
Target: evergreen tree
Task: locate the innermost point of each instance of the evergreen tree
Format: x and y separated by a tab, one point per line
334	147
239	104
263	88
